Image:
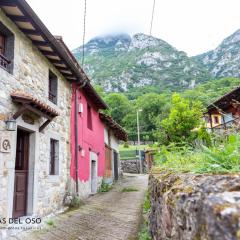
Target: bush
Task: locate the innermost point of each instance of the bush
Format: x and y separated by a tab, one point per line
76	202
223	158
50	222
105	187
180	125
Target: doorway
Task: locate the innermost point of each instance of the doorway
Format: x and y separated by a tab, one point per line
93	176
115	159
21	174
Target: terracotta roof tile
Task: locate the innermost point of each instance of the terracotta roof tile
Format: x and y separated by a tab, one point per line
23	97
118	130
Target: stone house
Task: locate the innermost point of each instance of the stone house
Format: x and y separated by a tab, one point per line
113	134
37	78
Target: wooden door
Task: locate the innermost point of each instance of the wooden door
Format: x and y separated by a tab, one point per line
108	162
115	165
21	174
93	176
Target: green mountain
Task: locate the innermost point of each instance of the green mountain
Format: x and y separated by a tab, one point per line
224	61
121	63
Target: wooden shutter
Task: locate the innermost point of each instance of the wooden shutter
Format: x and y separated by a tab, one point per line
53	86
2	44
89	117
54	157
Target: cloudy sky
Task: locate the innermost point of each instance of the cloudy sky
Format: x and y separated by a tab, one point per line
193	26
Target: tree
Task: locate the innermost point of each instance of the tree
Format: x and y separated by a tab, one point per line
99	90
184	117
119	106
153	106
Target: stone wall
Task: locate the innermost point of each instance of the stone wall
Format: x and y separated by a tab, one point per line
194	207
130	166
30	74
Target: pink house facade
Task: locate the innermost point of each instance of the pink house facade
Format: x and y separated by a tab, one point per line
87	131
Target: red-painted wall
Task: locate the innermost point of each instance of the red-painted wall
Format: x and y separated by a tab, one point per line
87	139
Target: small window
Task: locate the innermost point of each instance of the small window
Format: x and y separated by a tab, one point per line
216	119
6	48
53	86
54	157
2	44
89	117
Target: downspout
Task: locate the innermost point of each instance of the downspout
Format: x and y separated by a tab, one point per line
76	134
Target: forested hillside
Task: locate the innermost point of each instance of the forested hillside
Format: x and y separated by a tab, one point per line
142	72
122	63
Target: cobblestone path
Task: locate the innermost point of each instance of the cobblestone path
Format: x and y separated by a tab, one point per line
114	215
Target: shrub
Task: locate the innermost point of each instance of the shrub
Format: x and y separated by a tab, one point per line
105	187
223	158
50	222
76	202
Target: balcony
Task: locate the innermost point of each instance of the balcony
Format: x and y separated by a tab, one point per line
4	62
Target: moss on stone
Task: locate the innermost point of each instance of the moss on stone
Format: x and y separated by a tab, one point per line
218	208
238	234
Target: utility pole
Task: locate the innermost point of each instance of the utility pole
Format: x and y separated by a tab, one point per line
139	142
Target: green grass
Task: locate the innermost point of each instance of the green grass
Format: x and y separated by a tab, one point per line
132	147
50	222
144	231
105	187
129	189
147	203
222	158
75	203
130	152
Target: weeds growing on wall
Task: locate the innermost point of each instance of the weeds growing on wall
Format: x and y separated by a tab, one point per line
105	187
129	189
76	203
144	231
221	158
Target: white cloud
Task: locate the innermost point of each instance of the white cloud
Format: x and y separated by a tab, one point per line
193	26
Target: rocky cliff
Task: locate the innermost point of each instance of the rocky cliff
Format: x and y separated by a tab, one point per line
194	207
224	61
121	63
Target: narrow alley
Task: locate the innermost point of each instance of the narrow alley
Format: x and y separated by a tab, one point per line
106	216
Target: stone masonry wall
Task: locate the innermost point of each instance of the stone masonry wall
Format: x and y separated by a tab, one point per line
194	207
130	166
30	74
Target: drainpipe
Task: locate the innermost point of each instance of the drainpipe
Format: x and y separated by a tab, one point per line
76	134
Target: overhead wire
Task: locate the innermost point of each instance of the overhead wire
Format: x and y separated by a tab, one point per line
84	31
151	24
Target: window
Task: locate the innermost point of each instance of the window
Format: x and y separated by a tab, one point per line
216	120
89	117
54	157
6	48
2	44
53	85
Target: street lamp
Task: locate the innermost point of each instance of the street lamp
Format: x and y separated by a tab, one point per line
11	125
138	132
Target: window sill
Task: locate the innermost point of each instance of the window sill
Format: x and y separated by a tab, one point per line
53	178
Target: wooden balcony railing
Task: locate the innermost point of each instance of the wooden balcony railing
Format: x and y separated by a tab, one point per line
229	124
4	62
